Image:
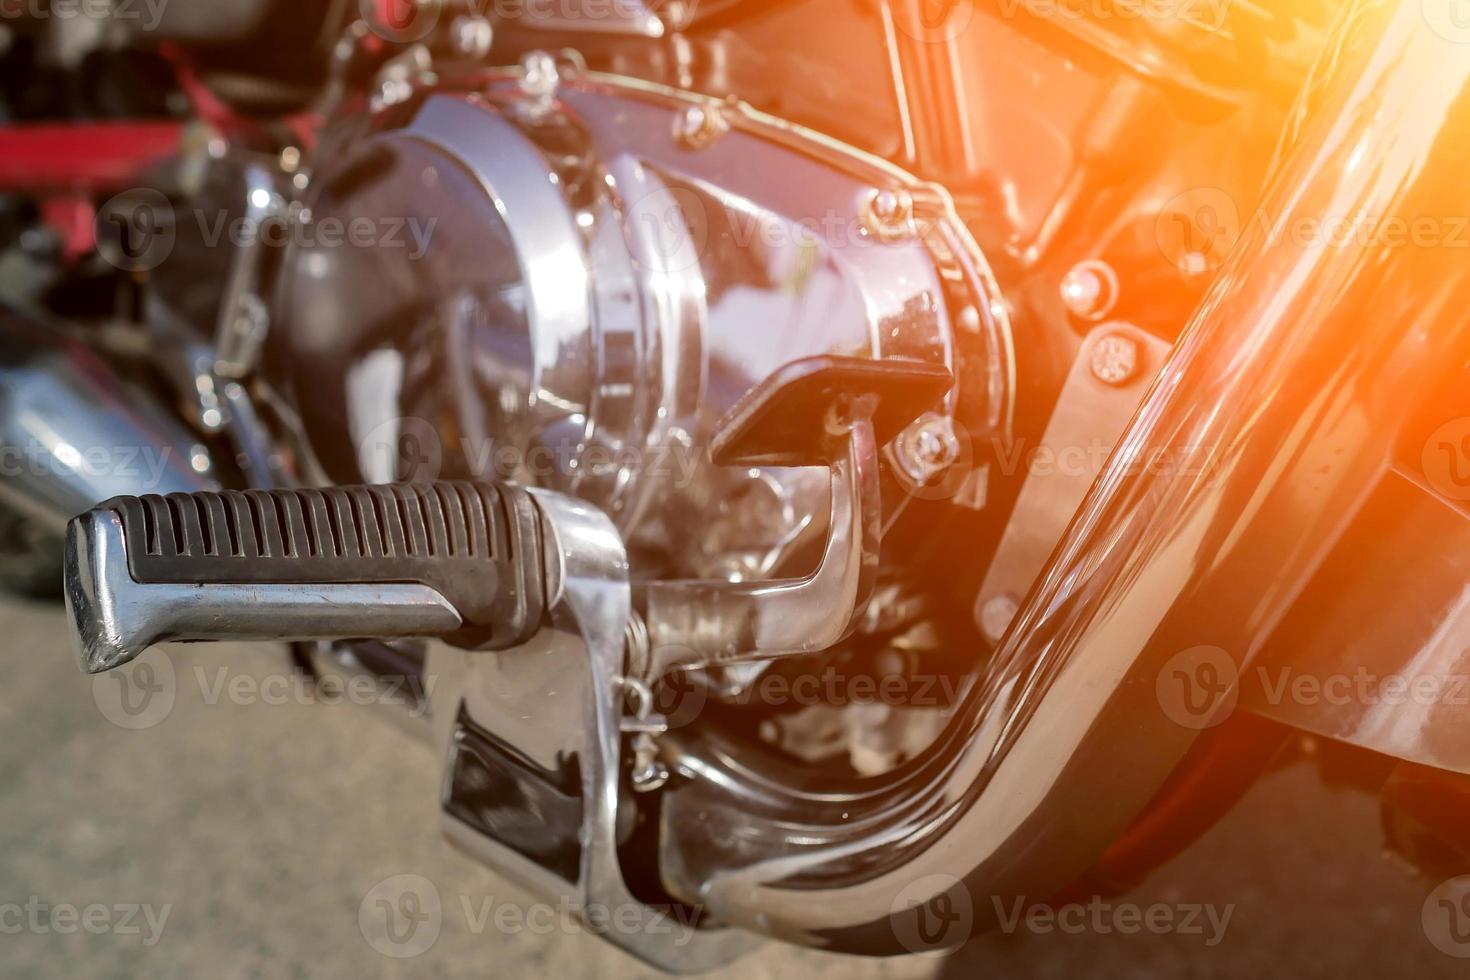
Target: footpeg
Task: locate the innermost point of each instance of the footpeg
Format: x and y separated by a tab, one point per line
459	561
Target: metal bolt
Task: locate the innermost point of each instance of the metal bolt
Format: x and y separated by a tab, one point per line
539	75
700	126
473	36
199	459
1090	290
996	616
1114	359
393	91
648	773
677	14
889	214
969	320
889	206
927	448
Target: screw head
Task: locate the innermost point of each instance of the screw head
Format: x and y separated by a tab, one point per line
699	126
887	206
1114	359
473	36
888	214
927	448
930	448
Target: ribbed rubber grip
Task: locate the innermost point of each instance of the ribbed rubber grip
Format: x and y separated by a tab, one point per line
478	545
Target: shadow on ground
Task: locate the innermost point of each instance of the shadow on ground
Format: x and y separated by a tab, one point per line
247	830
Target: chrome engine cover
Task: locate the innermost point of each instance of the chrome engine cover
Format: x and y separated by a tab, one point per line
610	266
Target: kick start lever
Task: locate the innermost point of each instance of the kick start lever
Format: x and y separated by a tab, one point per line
459	561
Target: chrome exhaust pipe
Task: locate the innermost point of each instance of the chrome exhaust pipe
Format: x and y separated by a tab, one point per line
73	434
1297	377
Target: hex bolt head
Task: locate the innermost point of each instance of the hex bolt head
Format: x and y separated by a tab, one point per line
1115	359
927	448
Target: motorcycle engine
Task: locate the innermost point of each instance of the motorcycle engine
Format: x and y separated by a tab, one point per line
592	273
572	268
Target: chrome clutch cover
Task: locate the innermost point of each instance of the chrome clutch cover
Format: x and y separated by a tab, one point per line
611	267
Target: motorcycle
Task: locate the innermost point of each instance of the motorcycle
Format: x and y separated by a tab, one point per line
822	470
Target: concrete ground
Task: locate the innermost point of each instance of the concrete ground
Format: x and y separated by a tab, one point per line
250	834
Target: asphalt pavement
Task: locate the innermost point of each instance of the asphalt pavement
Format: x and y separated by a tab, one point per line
237	828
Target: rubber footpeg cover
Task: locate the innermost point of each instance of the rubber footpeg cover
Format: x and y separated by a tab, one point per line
478	545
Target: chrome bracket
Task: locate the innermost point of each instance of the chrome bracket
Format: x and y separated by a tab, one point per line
534	785
831	411
244	317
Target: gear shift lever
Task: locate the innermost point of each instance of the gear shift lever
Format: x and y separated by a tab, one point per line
832	411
